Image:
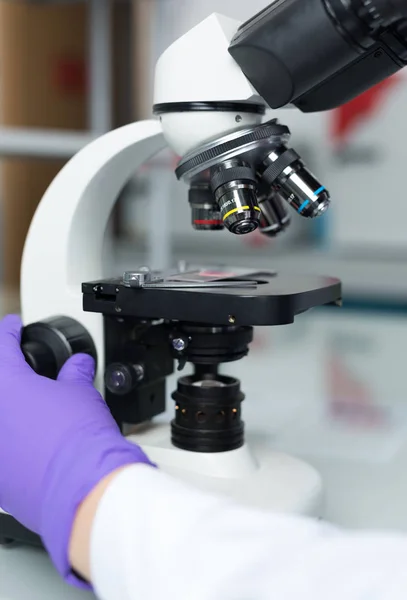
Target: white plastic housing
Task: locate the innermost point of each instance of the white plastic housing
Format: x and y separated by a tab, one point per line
255	476
186	131
64	246
198	68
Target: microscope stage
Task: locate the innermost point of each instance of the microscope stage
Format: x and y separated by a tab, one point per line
252	298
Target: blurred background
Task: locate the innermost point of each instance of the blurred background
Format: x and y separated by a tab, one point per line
331	388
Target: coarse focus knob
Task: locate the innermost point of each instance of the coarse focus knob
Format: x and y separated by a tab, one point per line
48	344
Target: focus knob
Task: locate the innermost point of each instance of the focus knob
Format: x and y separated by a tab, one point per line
48	344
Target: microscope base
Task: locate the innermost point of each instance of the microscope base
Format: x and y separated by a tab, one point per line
253	475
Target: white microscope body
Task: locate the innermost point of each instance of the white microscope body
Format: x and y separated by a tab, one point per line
66	238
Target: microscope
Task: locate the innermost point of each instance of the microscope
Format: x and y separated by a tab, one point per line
212	90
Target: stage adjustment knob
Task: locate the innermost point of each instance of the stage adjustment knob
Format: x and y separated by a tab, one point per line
48	344
121	379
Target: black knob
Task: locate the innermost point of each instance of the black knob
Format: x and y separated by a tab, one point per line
121	379
48	344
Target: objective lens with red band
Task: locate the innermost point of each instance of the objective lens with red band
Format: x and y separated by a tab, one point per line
206	214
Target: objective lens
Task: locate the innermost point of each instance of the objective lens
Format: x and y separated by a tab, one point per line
206	214
286	173
234	184
274	217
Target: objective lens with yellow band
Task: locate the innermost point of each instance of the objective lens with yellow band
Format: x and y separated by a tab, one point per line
235	187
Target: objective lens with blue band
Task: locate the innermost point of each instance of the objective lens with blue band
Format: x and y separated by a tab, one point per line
286	174
303	206
307	202
298	189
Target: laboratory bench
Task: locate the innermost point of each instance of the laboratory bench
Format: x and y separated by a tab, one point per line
27	574
329	389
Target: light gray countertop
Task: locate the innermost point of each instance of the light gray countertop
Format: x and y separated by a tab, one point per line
27	574
363	465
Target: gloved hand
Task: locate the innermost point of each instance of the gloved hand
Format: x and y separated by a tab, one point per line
58	440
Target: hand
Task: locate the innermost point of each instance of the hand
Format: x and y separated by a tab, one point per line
58	440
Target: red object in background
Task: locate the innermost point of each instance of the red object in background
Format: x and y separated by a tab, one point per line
257	240
350	400
365	107
70	76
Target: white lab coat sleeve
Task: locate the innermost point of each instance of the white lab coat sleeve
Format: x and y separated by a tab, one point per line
155	538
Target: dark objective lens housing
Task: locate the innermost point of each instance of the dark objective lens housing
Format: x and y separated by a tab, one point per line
274	217
234	185
206	214
208	414
285	173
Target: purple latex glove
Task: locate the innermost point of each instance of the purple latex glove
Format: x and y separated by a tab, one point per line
57	441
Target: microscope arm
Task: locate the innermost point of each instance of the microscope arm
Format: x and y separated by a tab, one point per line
65	242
